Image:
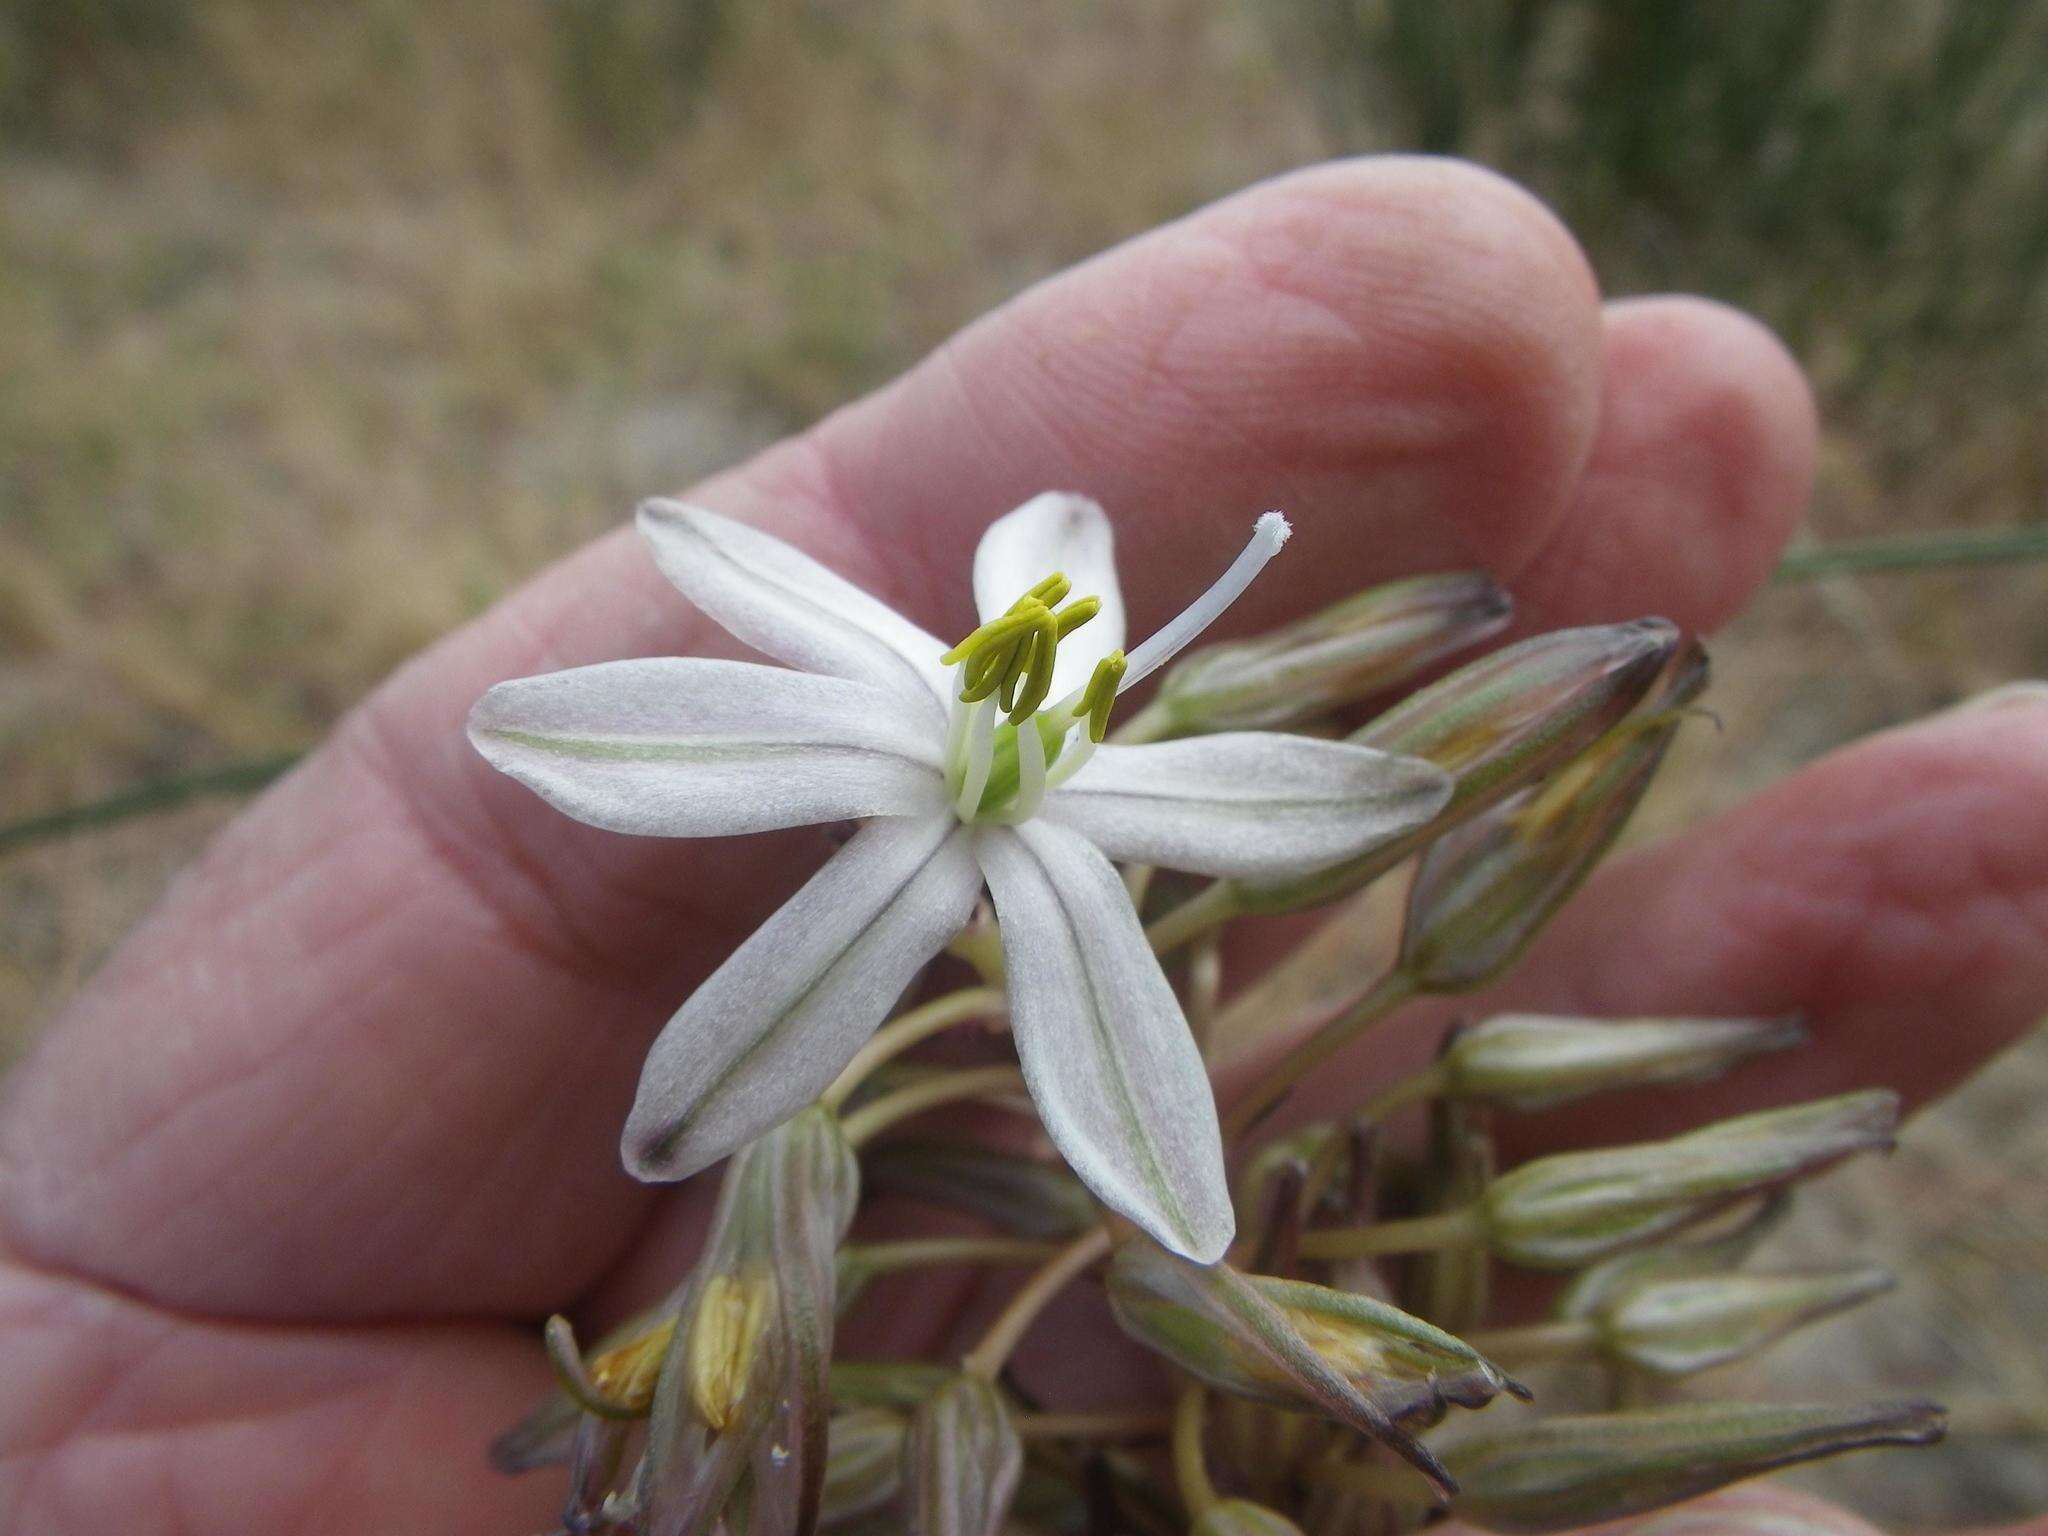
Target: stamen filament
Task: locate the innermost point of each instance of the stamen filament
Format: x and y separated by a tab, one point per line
1030	774
981	753
1268	534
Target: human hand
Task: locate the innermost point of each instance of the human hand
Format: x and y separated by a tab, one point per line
283	1191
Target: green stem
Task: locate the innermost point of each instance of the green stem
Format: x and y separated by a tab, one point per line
1015	1320
1915	552
930	1252
1194	917
144	800
1399	1094
1389	993
1190	1466
901	1033
870	1120
1412	1234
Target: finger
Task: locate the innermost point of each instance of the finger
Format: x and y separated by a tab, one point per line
372	1056
1703	463
1754	1509
118	1418
1894	893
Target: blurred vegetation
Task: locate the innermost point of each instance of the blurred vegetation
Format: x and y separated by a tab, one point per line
1869	176
328	322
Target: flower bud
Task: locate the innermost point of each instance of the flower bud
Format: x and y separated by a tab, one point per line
1237	1517
1485	889
1532	1061
961	1461
1561	1474
863	1463
1361	1362
1564	1211
1021	1195
1495	726
901	1384
743	1392
1676	1327
1716	1253
1364	645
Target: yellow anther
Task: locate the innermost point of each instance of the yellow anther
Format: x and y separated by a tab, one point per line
1077	613
725	1335
1011	656
987	650
1052	591
1100	695
1037	670
625	1374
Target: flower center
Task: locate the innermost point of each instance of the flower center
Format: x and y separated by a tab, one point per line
1002	773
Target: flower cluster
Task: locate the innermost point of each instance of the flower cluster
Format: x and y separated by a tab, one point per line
1324	1309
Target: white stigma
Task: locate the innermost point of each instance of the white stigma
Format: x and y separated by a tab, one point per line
1167	642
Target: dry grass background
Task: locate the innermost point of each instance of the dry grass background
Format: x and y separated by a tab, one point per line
326	324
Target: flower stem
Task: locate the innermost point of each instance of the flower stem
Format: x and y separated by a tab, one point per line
906	1030
930	1252
1534	1343
1915	552
1403	1091
1111	1424
1392	990
1194	917
1015	1320
870	1120
1190	1467
1413	1234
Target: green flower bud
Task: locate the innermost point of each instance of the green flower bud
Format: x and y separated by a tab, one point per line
961	1461
1564	1211
742	1397
1365	645
1353	1359
1495	726
1676	1327
1561	1474
1236	1517
1715	1253
1486	888
863	1462
1021	1195
1533	1061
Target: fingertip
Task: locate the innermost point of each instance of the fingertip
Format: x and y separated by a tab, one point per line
1703	465
1470	320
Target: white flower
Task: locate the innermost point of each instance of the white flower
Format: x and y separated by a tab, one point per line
1006	786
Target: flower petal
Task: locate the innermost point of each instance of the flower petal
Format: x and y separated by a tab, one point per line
1106	1050
1254	804
678	746
783	603
1056	531
770	1029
